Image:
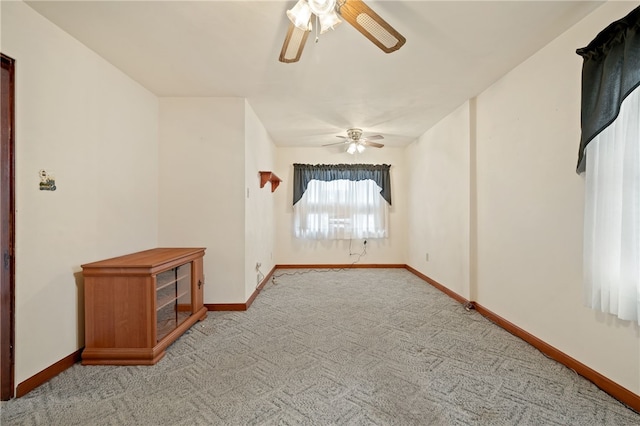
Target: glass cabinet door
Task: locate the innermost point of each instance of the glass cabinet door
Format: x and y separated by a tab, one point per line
173	299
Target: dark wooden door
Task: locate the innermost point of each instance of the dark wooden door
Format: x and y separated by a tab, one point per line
7	232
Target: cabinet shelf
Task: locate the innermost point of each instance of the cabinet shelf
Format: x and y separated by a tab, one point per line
161	285
269	177
168	299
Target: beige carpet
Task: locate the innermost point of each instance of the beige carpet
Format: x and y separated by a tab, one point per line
354	347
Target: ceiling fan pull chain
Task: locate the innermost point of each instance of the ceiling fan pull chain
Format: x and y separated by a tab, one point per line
317	24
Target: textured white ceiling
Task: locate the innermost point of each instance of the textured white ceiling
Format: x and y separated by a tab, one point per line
454	50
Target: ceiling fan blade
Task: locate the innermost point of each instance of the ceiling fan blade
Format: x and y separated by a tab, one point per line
372	144
293	44
336	143
341	137
371	25
373	137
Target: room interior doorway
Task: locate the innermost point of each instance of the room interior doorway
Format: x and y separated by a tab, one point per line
7	232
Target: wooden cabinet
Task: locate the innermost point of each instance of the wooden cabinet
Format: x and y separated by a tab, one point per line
137	305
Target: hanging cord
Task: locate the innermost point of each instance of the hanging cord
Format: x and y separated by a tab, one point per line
362	253
317	35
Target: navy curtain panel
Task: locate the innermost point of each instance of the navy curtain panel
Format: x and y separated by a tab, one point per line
305	173
610	72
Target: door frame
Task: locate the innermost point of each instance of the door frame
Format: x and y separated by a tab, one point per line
7	232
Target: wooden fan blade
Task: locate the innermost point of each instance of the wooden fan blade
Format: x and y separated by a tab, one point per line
336	143
371	25
293	44
373	137
372	144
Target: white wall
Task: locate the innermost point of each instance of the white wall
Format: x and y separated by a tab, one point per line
291	250
95	129
530	207
260	222
508	158
202	188
439	202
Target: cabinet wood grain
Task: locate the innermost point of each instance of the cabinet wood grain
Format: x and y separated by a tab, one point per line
138	304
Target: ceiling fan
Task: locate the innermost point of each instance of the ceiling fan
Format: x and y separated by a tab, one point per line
357	143
355	12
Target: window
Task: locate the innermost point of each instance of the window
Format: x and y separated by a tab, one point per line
341	201
610	158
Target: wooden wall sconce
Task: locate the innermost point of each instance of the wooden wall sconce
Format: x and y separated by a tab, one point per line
269	177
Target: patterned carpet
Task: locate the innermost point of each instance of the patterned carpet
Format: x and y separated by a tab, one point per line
353	347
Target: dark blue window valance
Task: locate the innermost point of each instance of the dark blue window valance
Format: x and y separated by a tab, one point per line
305	173
610	72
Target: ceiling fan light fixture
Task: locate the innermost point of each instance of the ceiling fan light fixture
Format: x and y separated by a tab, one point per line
328	21
322	7
300	14
355	142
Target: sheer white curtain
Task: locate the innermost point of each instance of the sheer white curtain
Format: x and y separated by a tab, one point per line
341	209
612	215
